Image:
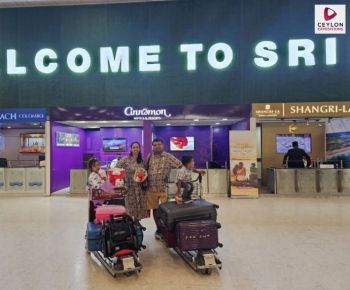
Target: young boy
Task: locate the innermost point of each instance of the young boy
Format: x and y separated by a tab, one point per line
184	180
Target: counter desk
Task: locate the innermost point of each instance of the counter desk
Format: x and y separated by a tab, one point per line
22	180
309	181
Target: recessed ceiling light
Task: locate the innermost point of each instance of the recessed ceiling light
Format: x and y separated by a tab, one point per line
196	120
217	123
124	121
8	127
35	124
224	119
168	124
103	122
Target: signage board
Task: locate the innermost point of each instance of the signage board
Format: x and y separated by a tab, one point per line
301	110
81	56
152	113
23	115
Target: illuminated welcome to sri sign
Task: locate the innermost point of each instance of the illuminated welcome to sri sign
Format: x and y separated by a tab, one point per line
219	56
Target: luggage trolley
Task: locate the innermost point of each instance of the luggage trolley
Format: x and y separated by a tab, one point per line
202	261
128	261
171	186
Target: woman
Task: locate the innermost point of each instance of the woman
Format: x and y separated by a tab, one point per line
135	200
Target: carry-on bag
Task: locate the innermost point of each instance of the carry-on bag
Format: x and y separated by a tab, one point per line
104	212
94	237
197	235
171	212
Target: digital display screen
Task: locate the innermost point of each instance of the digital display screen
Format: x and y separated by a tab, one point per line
284	142
114	144
32	143
181	143
64	139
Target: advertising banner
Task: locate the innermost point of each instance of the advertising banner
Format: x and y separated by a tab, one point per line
243	164
338	141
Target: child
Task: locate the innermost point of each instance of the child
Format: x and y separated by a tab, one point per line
184	180
96	177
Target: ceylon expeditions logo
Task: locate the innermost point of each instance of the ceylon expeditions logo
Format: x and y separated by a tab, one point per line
330	19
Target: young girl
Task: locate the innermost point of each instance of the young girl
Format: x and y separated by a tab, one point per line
96	177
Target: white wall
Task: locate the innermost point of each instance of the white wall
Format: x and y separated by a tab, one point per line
12	144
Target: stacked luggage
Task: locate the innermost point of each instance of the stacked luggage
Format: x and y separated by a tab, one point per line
192	230
114	238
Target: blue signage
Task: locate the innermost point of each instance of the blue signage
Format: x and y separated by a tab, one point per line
23	115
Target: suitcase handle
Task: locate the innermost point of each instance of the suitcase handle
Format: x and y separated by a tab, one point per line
218	225
220	245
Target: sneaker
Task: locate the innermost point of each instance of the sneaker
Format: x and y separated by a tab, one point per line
157	236
188	201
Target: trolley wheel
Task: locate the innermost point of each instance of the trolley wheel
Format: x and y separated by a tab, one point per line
206	271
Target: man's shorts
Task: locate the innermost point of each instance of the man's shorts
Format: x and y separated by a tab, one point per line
155	198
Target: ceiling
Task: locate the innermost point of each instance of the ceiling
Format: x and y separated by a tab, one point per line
33	3
22	126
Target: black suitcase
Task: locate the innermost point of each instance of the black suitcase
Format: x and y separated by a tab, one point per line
200	209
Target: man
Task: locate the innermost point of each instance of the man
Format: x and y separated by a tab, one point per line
296	157
159	164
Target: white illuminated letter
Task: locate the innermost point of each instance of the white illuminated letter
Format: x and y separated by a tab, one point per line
226	59
72	57
267	57
115	62
191	50
39	60
306	52
12	68
149	58
331	51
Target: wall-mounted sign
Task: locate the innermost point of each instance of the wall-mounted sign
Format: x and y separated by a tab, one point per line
301	110
173	112
22	115
105	61
147	113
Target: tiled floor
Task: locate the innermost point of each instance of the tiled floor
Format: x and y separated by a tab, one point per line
269	243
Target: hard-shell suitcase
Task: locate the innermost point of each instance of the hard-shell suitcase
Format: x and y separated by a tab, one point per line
197	235
104	212
169	237
199	209
94	237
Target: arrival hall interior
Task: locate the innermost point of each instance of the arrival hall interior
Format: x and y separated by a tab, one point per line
174	145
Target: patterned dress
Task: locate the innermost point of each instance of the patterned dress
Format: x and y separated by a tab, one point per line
135	200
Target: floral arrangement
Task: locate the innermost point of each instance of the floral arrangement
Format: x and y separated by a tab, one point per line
140	175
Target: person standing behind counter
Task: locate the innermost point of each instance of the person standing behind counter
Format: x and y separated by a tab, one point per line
295	157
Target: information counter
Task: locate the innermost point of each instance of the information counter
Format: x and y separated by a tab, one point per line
309	181
22	180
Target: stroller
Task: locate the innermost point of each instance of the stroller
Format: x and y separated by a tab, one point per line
191	229
112	236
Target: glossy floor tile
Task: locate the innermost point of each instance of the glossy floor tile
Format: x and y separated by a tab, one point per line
269	243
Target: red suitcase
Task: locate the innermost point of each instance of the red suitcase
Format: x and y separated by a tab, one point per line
197	235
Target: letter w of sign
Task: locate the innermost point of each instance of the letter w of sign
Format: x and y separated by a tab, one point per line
329	14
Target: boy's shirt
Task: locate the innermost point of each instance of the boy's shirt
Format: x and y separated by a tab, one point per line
95	181
184	175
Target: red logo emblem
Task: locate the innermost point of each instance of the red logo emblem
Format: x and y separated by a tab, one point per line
329	14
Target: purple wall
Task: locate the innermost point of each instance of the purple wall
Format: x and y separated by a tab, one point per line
221	144
241	125
94	141
201	135
65	158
